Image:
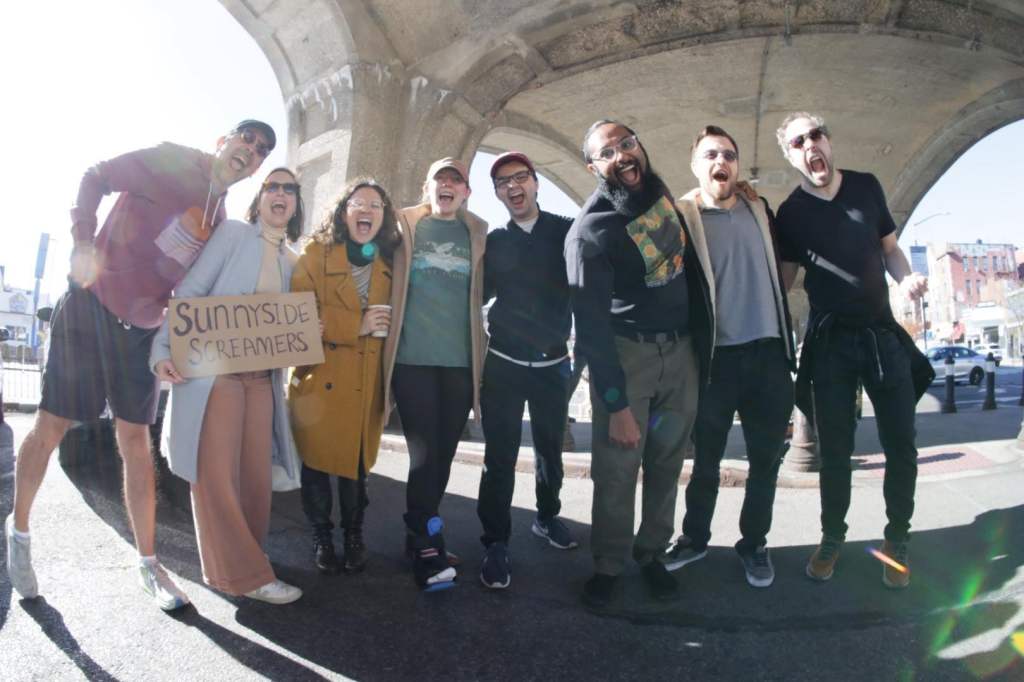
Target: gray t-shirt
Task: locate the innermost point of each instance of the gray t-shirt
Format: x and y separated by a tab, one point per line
435	327
744	302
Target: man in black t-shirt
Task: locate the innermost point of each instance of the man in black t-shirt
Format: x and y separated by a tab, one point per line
837	225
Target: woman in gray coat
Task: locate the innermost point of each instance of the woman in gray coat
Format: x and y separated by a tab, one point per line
227	431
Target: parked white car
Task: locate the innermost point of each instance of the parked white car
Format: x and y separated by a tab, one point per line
994	348
967	364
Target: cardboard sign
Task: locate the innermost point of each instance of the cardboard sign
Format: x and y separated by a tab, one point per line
227	334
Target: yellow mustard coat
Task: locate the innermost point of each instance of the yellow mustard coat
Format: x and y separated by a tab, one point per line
337	407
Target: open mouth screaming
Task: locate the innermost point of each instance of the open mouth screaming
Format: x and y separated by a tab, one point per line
628	173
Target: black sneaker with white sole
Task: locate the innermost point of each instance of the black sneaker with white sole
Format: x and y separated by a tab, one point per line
555	532
682	553
757	564
496	569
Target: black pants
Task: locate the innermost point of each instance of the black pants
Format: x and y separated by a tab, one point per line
507	387
875	357
316	500
754	380
433	404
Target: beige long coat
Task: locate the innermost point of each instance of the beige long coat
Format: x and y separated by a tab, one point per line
338	407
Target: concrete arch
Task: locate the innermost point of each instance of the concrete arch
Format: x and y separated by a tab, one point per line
552	154
995	109
386	86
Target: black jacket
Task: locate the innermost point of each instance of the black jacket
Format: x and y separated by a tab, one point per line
611	297
531	317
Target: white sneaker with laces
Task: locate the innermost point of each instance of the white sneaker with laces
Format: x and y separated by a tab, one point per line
276	592
19	562
160	586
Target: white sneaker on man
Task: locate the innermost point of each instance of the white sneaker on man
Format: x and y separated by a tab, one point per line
160	586
19	561
276	592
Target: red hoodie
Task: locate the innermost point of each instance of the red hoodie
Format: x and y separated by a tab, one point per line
166	211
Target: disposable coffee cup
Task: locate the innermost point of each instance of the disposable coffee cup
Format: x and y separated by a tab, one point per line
380	334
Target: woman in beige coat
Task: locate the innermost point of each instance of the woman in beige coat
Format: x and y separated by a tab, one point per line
338	407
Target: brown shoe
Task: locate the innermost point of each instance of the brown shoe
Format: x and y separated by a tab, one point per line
822	563
896	577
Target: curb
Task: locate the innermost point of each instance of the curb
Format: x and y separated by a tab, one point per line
733	472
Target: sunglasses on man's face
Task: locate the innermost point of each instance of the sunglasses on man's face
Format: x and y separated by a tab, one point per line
290	188
813	135
249	137
726	154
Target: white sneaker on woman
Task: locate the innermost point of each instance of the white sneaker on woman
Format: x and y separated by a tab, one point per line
276	592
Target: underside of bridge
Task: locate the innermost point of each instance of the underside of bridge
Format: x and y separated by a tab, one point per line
383	87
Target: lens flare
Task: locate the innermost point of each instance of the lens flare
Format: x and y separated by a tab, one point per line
887	560
1017	639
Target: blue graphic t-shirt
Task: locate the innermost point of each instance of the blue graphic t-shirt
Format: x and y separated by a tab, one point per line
435	328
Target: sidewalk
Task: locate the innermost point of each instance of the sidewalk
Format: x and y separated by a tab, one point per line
968	442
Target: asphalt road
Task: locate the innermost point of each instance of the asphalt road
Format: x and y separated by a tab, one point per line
961	619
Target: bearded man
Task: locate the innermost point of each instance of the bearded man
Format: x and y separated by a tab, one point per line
644	319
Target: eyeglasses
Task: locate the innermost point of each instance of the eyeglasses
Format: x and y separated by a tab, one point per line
727	154
360	205
813	135
249	137
503	181
624	146
289	188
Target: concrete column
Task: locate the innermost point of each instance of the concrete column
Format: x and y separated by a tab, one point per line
803	446
371	119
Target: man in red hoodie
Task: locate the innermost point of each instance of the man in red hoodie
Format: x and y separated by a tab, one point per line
170	200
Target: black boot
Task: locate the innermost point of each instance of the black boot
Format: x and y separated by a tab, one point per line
324	556
355	550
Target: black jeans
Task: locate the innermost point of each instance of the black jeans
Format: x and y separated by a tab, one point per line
433	404
754	380
875	357
317	502
506	388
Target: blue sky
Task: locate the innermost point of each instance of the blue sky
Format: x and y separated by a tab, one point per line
116	75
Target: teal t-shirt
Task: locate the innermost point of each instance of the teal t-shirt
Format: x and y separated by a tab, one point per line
435	328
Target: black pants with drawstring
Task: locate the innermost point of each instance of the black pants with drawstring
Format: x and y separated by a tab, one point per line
872	355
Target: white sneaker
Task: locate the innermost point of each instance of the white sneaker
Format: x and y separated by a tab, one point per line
276	592
161	587
19	562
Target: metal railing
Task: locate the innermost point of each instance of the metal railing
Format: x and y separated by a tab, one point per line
22	384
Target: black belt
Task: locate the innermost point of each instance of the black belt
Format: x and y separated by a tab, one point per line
650	337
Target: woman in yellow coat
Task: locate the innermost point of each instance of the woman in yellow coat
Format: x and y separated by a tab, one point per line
338	407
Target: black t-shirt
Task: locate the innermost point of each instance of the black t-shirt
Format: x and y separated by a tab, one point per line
839	243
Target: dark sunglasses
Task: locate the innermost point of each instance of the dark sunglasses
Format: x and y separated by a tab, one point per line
249	137
813	135
286	187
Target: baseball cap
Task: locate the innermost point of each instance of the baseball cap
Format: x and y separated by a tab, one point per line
449	162
260	126
508	157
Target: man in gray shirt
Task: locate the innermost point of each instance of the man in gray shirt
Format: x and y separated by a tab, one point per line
753	357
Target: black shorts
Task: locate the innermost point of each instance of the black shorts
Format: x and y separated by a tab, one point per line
96	359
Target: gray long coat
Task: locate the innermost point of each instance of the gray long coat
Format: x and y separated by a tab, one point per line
229	265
